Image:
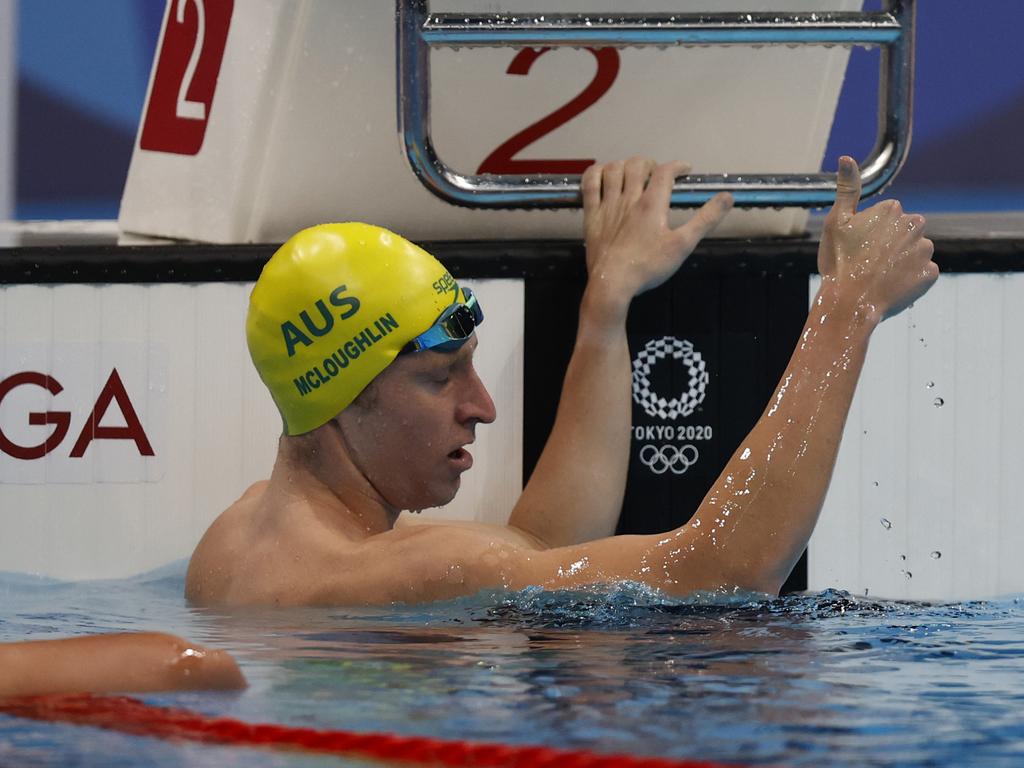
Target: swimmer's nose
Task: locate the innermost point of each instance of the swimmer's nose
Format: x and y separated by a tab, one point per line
478	405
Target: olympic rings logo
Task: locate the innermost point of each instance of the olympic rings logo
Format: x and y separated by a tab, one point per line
668	458
656	405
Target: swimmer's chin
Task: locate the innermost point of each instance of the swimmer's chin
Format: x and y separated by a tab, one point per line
441	501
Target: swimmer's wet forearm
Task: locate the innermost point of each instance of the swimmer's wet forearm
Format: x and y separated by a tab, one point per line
762	509
125	662
575	492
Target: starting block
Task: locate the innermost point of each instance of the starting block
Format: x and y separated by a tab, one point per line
267	116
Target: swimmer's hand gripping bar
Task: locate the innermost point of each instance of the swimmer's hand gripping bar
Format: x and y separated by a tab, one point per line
418	31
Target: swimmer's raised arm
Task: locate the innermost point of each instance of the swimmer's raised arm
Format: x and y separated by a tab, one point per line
575	492
761	511
128	662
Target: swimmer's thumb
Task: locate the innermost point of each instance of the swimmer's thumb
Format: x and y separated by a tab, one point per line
710	214
706	219
847	187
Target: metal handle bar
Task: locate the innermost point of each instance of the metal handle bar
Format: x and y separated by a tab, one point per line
418	31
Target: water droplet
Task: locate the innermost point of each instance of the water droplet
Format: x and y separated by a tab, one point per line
938	402
876	483
903	558
936	555
908	574
885	523
930	384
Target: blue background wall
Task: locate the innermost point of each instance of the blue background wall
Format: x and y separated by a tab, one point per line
84	66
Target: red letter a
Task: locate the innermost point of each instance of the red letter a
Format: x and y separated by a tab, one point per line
112	390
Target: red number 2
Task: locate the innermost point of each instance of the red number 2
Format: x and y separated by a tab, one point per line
502	160
187	67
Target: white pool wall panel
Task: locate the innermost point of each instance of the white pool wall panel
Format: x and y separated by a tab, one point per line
180	351
927	500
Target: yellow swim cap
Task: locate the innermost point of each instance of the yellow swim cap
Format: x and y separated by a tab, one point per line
332	308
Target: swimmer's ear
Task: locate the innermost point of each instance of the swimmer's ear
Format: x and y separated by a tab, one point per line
847	188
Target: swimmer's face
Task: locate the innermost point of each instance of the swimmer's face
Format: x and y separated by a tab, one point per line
408	434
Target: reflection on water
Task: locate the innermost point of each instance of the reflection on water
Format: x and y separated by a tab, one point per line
822	679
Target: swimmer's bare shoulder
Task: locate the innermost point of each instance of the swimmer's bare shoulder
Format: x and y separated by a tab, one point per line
212	564
274	549
256	554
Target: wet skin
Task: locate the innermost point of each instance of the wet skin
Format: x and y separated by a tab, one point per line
322	529
413	453
139	662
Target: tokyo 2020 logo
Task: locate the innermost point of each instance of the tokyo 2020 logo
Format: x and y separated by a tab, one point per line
670	457
655	404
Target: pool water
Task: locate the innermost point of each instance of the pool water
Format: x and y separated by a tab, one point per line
805	680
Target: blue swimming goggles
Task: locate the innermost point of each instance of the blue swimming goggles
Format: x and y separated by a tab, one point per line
452	328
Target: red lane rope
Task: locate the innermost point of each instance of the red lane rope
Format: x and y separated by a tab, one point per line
121	713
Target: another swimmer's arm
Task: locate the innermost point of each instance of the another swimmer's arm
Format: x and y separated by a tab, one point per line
761	511
130	662
575	492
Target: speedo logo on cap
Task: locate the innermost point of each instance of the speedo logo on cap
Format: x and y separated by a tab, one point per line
321	326
446	284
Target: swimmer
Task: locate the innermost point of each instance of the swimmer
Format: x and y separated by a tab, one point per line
366	343
136	662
